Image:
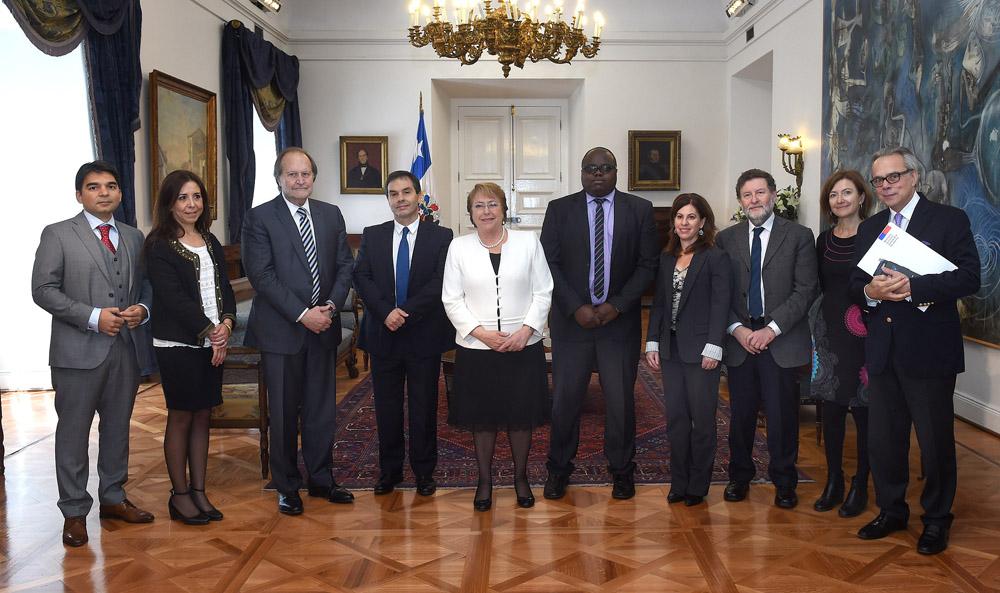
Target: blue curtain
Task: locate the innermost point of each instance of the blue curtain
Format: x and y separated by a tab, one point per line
249	62
115	81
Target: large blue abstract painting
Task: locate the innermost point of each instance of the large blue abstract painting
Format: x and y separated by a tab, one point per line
924	74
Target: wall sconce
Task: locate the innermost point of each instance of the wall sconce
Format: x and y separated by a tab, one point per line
267	5
737	7
791	157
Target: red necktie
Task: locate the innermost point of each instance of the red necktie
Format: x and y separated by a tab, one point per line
106	237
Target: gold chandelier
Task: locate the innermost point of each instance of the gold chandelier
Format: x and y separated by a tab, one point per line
505	30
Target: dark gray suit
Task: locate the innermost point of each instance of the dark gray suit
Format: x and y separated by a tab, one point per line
91	372
299	366
789	276
691	393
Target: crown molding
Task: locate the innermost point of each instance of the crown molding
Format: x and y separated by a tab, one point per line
248	14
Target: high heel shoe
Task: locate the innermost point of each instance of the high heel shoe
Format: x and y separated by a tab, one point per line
483	504
213	513
176	515
525	502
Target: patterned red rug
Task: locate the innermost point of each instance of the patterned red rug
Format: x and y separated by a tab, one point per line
356	446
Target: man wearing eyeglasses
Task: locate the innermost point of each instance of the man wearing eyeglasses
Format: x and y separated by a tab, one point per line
602	249
296	257
913	356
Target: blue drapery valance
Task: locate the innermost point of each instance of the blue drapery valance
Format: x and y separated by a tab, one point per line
255	74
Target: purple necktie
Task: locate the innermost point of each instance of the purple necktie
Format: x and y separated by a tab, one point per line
898	219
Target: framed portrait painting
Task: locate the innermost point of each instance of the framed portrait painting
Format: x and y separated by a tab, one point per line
654	160
182	133
363	164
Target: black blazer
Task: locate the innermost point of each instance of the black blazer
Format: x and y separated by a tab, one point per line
566	240
276	265
173	271
924	344
427	330
703	311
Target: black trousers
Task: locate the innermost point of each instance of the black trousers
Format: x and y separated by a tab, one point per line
691	397
760	381
420	377
897	401
302	385
572	365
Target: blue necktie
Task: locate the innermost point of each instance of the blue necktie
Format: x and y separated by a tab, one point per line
756	300
402	268
898	219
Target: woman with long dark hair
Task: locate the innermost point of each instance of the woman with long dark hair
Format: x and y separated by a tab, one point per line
687	328
838	376
194	311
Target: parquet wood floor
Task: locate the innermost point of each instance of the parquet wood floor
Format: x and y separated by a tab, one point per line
405	543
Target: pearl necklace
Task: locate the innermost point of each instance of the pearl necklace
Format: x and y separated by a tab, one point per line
503	235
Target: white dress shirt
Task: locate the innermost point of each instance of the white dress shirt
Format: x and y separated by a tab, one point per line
765	237
470	290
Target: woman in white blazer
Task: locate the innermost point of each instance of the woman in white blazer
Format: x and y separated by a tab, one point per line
497	292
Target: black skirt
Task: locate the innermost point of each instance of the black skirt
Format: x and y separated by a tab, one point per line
189	380
500	390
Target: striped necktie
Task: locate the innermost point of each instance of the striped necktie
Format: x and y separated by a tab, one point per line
309	244
599	248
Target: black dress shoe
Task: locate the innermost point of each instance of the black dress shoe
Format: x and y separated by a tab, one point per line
386	484
673	497
933	540
736	491
881	526
692	500
290	504
785	498
555	486
339	494
482	505
832	494
624	487
856	501
526	502
426	486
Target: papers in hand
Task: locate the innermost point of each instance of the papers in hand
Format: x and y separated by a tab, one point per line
896	245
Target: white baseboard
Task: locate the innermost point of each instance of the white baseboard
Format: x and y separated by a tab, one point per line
977	412
24	380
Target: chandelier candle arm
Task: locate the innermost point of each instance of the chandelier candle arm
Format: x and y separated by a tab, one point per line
505	30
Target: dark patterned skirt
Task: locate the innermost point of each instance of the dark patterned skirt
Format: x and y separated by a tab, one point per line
500	390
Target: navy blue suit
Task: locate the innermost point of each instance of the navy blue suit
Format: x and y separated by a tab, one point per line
913	357
411	355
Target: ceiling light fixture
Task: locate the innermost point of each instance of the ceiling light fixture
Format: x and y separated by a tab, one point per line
267	5
737	7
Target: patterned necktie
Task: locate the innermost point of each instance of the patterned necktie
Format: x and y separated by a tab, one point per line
599	248
898	219
756	299
402	268
305	230
106	237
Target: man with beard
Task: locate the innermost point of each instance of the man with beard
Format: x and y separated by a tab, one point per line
595	317
774	261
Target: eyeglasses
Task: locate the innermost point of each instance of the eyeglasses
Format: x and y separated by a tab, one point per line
605	168
891	178
486	205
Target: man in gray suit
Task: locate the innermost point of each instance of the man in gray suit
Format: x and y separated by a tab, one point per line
296	257
87	275
775	281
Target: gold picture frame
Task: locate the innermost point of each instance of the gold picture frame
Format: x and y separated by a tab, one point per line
182	133
654	160
368	177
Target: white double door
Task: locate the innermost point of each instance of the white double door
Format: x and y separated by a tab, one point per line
521	148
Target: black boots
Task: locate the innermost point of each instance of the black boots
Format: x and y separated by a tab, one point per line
832	494
857	499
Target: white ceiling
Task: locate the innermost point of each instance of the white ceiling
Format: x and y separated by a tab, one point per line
626	19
